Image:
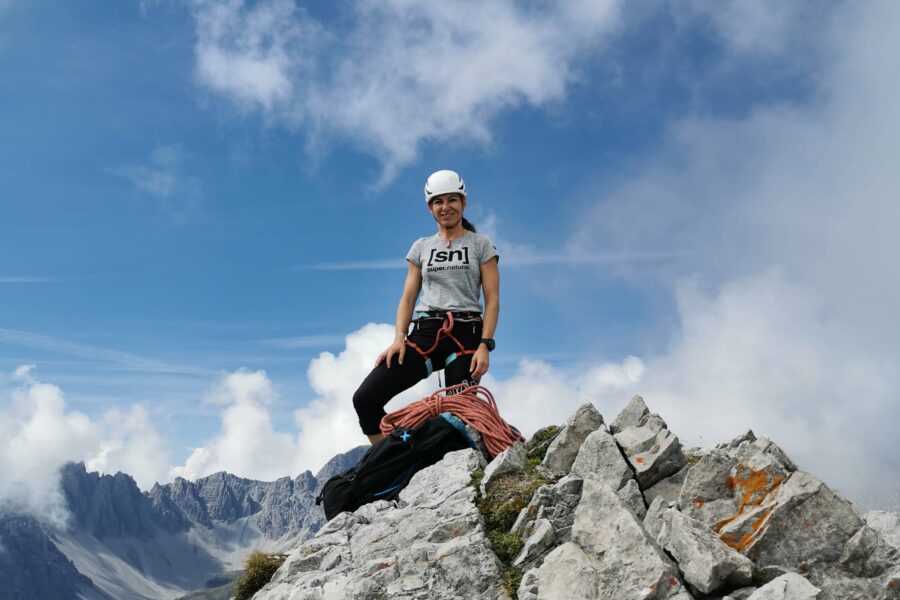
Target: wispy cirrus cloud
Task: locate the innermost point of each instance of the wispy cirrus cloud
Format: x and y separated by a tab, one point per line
126	359
530	259
163	177
28	279
303	341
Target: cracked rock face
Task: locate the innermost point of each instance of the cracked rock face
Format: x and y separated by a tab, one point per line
429	545
741	522
564	447
613	550
707	563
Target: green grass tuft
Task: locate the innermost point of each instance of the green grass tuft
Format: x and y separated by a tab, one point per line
258	570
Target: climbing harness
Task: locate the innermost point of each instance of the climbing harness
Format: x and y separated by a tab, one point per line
444	331
471	404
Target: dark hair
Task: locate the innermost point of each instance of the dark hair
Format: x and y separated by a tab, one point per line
469	226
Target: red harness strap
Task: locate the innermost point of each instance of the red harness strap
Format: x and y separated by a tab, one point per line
444	331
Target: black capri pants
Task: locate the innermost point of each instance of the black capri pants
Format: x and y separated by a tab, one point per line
382	383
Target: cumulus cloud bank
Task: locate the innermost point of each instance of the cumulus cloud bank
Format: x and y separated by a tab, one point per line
402	73
38	434
786	296
248	443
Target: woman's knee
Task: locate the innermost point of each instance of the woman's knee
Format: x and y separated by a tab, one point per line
363	400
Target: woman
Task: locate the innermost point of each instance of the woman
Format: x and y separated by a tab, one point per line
450	268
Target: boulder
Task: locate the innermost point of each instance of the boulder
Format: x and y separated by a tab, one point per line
790	586
669	488
510	460
429	544
653	519
706	562
555	502
599	454
654	455
887	524
634	414
796	524
618	549
631	496
564	448
528	585
707	493
568	573
541	537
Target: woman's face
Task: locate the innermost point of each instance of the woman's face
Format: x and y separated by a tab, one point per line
447	209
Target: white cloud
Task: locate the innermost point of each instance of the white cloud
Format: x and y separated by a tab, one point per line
248	443
38	434
132	445
402	73
791	216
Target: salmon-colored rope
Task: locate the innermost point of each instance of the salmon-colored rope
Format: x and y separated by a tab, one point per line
473	404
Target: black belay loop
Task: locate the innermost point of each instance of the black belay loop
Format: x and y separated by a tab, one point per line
389	464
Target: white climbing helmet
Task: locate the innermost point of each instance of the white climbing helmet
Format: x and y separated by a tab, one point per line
444	182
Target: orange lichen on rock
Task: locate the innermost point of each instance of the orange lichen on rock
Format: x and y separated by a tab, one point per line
698	502
754	487
639	460
673	581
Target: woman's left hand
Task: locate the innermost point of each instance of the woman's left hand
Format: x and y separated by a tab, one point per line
480	362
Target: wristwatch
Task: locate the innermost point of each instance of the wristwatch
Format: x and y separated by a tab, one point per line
489	342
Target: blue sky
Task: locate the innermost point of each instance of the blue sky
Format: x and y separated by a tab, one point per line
194	193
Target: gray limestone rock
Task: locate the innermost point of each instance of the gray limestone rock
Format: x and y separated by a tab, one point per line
654	455
557	503
653	519
634	414
568	572
631	496
748	449
431	544
741	594
510	460
887	524
618	549
564	448
528	586
866	554
790	586
540	539
707	492
798	523
747	436
705	561
599	454
668	488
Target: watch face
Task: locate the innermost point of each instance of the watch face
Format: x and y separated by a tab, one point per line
489	343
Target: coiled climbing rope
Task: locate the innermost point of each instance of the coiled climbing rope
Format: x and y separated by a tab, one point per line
472	404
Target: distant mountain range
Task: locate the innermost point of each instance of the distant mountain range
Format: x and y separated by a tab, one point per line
125	544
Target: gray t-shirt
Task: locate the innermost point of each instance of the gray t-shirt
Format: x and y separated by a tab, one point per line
451	276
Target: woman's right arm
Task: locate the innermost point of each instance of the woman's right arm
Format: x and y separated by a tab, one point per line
411	289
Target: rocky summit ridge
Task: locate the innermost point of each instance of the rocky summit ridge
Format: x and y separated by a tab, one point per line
624	512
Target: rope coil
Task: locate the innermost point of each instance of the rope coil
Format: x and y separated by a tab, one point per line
473	404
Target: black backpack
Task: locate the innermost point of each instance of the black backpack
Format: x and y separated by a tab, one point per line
390	463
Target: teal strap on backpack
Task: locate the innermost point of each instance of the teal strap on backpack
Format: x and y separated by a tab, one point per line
460	426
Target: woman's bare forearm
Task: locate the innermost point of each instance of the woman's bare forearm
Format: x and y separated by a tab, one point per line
404	318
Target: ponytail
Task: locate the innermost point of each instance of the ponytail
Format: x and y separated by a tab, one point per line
469	226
